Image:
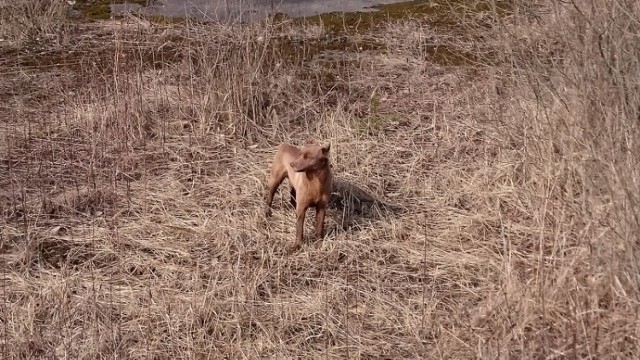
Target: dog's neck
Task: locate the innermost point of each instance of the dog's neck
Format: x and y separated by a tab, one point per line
320	174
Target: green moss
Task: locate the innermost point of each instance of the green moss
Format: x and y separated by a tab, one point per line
280	18
375	124
355	32
441	14
100	57
167	20
298	51
101	9
436	13
448	56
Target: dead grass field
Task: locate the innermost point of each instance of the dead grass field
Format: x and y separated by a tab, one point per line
486	209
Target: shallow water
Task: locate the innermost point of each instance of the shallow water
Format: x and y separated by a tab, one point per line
246	10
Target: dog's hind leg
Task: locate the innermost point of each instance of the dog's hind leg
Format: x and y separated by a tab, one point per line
278	174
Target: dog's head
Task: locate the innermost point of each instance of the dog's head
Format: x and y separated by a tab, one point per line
313	156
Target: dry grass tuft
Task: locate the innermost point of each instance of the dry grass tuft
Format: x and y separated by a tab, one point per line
28	23
486	207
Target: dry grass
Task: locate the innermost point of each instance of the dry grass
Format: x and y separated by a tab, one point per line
490	208
27	23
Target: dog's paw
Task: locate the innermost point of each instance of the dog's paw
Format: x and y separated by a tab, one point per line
293	248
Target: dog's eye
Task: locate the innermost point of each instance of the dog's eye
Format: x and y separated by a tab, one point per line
304	156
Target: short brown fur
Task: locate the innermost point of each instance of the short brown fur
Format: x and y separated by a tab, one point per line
310	178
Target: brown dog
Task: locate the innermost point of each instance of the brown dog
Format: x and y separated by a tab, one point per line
310	178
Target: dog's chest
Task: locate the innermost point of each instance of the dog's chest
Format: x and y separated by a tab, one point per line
313	187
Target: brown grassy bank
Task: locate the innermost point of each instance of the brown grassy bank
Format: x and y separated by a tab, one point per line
133	163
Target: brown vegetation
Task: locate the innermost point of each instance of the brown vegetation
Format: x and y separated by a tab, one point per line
493	204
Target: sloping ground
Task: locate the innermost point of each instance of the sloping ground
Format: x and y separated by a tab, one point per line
475	217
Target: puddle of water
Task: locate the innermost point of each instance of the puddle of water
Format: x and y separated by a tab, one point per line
245	10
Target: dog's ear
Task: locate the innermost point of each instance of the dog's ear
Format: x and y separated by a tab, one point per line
325	148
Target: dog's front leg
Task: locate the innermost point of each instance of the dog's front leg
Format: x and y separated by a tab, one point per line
300	214
320	212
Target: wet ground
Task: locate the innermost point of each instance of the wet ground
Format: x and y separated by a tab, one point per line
246	10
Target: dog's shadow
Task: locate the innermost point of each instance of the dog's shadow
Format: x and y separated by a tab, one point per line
350	206
353	206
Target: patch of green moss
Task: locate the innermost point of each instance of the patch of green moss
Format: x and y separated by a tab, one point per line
97	58
442	14
101	9
93	10
167	20
448	56
295	52
280	18
298	51
375	125
437	13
